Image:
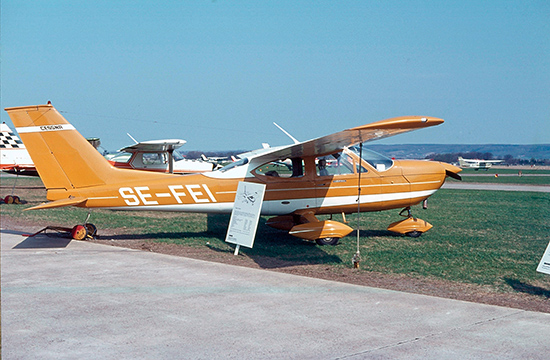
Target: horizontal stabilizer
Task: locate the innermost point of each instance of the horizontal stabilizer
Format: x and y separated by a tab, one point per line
59	203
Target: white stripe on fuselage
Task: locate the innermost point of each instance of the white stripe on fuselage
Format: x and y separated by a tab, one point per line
280	207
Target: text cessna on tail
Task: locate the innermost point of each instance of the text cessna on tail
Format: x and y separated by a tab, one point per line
305	179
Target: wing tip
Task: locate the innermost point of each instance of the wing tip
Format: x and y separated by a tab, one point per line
403	122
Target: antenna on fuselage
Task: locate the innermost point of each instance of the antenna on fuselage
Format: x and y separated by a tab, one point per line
287	133
131	137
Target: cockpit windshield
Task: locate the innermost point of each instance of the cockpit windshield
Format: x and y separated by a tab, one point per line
235	164
177	156
378	161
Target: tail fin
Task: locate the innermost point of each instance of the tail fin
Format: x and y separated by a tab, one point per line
65	160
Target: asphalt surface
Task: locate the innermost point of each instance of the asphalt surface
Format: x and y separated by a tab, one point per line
67	299
497	187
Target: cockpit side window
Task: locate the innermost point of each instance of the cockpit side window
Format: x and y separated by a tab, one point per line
154	158
288	168
122	157
335	164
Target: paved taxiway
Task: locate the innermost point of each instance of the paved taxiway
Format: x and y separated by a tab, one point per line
497	187
76	300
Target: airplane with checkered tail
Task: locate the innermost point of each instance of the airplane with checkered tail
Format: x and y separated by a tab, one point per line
333	174
14	158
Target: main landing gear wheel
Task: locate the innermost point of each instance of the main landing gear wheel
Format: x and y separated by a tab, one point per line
327	241
414	234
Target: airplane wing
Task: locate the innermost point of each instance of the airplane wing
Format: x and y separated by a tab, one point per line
335	142
154	146
258	152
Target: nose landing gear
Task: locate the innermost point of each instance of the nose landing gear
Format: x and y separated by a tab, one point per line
411	226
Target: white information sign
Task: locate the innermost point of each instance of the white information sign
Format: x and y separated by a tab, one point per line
544	265
245	214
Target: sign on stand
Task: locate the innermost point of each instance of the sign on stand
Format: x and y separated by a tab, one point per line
245	215
544	265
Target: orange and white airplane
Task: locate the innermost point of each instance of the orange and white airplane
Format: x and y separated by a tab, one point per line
74	173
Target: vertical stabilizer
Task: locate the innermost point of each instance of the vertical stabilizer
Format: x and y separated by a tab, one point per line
63	158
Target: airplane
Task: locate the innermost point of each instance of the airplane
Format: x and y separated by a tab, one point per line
14	157
158	155
75	174
154	155
477	163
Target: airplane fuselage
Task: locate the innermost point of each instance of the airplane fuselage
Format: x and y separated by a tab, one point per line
406	183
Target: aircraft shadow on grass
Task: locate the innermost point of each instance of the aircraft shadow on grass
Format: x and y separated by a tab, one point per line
520	286
378	233
303	253
272	248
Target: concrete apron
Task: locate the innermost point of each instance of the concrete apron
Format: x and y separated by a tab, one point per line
77	300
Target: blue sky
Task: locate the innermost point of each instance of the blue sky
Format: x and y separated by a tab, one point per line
218	73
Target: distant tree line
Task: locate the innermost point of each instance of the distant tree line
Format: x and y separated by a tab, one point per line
508	159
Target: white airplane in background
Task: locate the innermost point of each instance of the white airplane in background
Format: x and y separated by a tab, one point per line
14	157
477	163
156	155
159	156
223	160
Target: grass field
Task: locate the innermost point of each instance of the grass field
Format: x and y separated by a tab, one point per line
511	171
505	176
495	239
